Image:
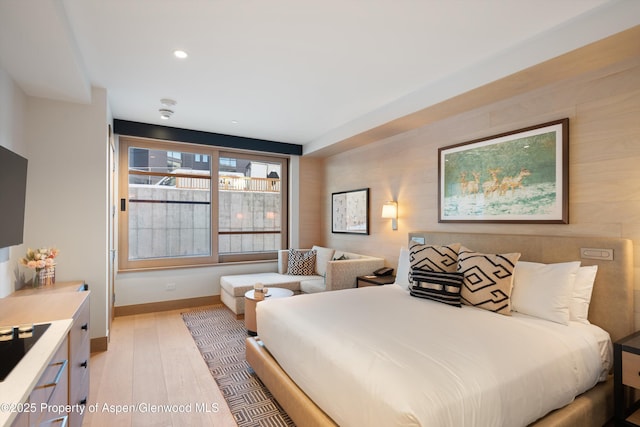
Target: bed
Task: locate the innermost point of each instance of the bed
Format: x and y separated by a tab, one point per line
363	319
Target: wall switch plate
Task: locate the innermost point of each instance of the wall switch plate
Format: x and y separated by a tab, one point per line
597	253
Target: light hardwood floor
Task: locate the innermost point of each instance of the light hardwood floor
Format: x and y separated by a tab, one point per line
152	360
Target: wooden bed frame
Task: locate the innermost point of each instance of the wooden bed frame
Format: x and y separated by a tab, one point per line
611	308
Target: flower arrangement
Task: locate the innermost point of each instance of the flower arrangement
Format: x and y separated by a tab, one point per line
39	259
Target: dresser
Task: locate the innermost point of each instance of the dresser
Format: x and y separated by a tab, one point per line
63	377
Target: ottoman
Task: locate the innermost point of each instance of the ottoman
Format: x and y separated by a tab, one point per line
234	287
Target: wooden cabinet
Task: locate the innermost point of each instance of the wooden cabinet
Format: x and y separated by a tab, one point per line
79	345
69	300
21	420
50	392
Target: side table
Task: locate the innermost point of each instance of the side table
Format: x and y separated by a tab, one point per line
250	302
373	280
626	375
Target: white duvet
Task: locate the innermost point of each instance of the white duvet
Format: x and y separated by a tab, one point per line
376	356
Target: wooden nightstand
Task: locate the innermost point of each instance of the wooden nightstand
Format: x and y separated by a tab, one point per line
372	280
626	373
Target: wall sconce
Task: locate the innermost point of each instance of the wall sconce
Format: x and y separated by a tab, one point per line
390	211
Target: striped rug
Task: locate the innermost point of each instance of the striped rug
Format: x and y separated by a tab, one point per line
221	340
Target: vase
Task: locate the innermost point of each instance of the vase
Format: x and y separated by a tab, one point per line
44	277
35	283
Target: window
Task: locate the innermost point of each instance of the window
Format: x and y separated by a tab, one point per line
202	158
171	215
250	219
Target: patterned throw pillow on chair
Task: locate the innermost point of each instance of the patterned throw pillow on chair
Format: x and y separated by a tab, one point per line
301	263
488	279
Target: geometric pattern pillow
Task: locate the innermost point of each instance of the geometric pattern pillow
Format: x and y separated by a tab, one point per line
436	286
488	279
434	258
301	263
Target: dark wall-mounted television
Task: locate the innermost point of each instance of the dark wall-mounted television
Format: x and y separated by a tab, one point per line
13	189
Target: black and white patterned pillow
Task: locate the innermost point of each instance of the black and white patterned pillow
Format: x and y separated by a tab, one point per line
434	258
488	279
437	286
301	263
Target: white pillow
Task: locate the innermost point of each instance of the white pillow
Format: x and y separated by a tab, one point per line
323	256
404	267
582	289
544	290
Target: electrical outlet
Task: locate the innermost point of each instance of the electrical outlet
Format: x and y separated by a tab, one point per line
170	287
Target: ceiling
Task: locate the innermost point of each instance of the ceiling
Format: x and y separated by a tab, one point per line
304	72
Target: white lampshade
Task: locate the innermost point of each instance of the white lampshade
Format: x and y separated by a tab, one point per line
390	211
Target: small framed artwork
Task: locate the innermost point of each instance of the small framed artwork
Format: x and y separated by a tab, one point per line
515	177
350	212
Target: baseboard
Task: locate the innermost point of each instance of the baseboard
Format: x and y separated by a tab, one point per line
99	344
154	307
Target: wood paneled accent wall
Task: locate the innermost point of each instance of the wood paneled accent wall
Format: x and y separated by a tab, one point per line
312	225
603	106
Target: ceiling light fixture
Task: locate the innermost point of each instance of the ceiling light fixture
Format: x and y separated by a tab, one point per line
165	113
167	102
166	108
180	54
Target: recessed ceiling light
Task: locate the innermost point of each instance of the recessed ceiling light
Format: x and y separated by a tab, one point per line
180	54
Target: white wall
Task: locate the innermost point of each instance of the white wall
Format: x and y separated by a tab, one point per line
67	192
145	287
12	124
66	206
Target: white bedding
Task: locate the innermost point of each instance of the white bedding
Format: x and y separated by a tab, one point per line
376	356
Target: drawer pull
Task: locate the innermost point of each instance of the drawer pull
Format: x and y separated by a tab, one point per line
62	365
85	364
85	327
58	422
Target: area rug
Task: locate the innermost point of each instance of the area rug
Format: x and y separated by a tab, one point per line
221	340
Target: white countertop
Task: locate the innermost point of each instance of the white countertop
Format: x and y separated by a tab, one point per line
18	384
